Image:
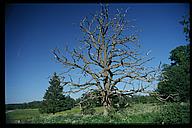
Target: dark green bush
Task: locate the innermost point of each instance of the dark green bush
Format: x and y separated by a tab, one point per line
119	103
173	113
88	111
112	112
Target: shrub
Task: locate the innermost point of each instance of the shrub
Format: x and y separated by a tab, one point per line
173	113
88	110
112	112
87	107
119	102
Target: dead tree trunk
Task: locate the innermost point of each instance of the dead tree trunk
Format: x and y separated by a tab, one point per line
109	56
106	103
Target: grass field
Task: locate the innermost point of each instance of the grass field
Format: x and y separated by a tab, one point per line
21	115
136	113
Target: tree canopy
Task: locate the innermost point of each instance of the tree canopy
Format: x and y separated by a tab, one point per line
175	79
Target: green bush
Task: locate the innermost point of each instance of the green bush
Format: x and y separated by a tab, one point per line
173	113
88	107
119	103
87	110
112	112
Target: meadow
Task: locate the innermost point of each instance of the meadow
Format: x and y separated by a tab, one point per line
139	113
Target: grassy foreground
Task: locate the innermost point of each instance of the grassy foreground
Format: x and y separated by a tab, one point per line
136	113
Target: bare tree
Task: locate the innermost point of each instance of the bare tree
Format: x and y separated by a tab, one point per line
109	59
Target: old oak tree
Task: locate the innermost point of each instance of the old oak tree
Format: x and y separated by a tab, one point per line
108	61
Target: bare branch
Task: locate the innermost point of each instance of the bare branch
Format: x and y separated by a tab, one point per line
110	56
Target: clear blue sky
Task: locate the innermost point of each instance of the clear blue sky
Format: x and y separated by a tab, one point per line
32	30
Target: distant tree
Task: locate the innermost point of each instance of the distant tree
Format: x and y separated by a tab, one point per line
13	106
175	79
108	59
144	99
34	104
31	105
54	100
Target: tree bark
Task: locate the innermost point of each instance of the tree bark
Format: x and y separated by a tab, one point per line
106	104
106	111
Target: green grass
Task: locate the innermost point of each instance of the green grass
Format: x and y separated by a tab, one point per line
73	111
21	115
136	113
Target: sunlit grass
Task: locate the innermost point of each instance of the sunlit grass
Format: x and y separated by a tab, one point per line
21	115
73	111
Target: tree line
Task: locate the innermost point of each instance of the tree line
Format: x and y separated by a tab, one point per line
29	105
94	103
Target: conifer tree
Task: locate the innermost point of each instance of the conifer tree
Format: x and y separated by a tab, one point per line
54	100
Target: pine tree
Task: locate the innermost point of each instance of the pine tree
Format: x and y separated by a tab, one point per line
54	100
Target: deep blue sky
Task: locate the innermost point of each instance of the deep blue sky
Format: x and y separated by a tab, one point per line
32	30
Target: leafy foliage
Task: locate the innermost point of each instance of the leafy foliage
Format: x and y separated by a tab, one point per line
96	101
173	113
87	110
87	104
54	100
186	27
175	78
120	102
180	56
